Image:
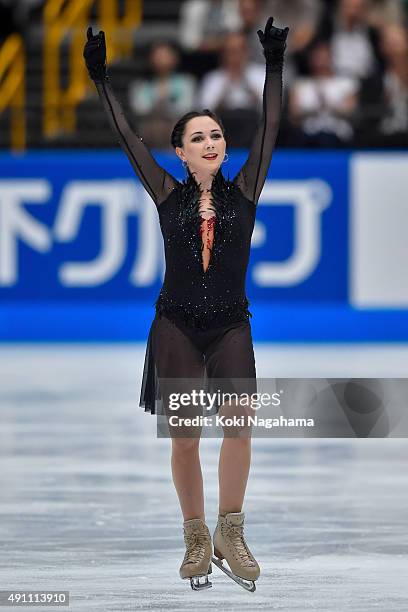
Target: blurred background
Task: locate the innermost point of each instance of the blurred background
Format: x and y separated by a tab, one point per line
345	73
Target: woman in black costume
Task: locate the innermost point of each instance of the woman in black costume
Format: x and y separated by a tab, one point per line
202	327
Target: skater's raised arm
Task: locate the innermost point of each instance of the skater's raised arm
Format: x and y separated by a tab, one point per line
157	182
251	177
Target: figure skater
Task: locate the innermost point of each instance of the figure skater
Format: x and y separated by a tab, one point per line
201	326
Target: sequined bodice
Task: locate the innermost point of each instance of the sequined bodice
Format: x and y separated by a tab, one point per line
199	296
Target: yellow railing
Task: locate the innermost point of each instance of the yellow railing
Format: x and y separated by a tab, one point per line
12	88
69	19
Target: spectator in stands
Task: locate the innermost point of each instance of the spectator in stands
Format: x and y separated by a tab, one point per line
252	14
322	104
158	101
302	16
383	101
234	91
354	42
395	84
389	11
204	22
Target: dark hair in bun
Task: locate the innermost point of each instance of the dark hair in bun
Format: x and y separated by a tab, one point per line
179	129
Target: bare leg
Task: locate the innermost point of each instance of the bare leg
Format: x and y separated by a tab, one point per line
233	471
235	459
187	477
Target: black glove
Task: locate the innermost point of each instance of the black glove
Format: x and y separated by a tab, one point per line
273	41
95	55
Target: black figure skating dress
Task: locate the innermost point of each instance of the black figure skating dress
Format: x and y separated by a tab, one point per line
201	327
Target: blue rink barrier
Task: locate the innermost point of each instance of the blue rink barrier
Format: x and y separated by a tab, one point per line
130	323
81	255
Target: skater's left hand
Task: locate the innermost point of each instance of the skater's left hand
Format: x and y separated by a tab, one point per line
273	39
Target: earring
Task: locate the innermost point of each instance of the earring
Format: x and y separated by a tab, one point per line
226	158
184	163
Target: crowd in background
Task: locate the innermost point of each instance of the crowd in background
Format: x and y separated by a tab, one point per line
345	76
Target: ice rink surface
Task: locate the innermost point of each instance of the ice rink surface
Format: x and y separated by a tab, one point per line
88	505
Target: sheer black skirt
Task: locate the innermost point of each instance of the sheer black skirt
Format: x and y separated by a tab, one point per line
176	351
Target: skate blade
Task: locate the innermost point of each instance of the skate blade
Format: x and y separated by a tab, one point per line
248	585
196	585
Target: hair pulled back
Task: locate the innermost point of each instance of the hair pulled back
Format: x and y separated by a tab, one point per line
179	129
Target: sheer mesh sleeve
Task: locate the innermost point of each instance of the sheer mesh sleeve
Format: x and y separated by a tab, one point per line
251	177
157	182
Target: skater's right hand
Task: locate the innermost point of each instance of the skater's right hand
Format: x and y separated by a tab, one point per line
95	55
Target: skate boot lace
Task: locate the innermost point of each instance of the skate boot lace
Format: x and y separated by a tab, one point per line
195	543
236	534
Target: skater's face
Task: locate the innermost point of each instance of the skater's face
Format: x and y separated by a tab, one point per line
203	145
